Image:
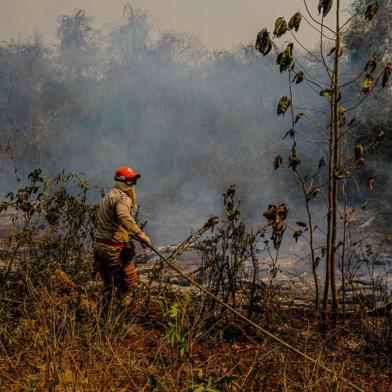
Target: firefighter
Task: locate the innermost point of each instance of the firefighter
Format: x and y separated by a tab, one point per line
113	251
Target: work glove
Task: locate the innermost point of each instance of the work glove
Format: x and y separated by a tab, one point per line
144	238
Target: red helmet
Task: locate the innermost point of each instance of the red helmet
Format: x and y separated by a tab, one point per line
125	174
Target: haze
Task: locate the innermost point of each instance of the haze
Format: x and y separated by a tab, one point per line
220	24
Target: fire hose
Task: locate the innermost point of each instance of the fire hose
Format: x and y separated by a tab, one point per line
252	323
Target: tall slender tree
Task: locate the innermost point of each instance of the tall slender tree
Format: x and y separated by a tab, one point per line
342	161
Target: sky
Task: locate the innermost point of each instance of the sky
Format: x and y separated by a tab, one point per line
220	24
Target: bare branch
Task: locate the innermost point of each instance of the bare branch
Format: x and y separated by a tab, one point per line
312	110
309	52
322	55
315	20
316	29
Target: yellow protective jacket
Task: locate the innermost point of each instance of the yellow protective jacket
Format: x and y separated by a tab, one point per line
115	219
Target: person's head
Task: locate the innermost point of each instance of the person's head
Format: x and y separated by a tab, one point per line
126	179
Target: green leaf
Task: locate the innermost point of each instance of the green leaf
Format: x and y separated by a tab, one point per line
295	21
285	59
199	388
297	233
368	84
342	116
283	105
294	161
358	152
299	77
152	382
298	117
371	64
278	161
291	132
280	27
325	6
263	42
326	93
387	74
174	311
371	11
333	50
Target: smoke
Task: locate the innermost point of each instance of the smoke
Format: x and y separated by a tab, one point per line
191	121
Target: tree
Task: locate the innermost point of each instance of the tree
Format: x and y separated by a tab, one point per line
360	40
77	47
342	160
31	100
373	37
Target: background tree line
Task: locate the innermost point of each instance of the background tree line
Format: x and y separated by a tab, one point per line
194	121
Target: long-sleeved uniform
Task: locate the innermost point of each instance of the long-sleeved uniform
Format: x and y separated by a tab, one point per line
115	219
114	224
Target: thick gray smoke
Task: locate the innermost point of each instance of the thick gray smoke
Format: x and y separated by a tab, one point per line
191	121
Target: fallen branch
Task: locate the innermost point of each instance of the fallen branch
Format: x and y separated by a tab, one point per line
178	249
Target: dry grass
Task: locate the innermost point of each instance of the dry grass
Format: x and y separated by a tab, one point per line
55	337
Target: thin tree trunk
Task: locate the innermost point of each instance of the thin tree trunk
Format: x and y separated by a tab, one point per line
336	160
329	225
311	241
343	272
333	164
314	267
302	182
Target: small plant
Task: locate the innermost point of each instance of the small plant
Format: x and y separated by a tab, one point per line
239	264
52	224
207	386
176	334
210	384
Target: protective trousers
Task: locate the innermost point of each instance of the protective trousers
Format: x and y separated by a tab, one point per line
116	267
